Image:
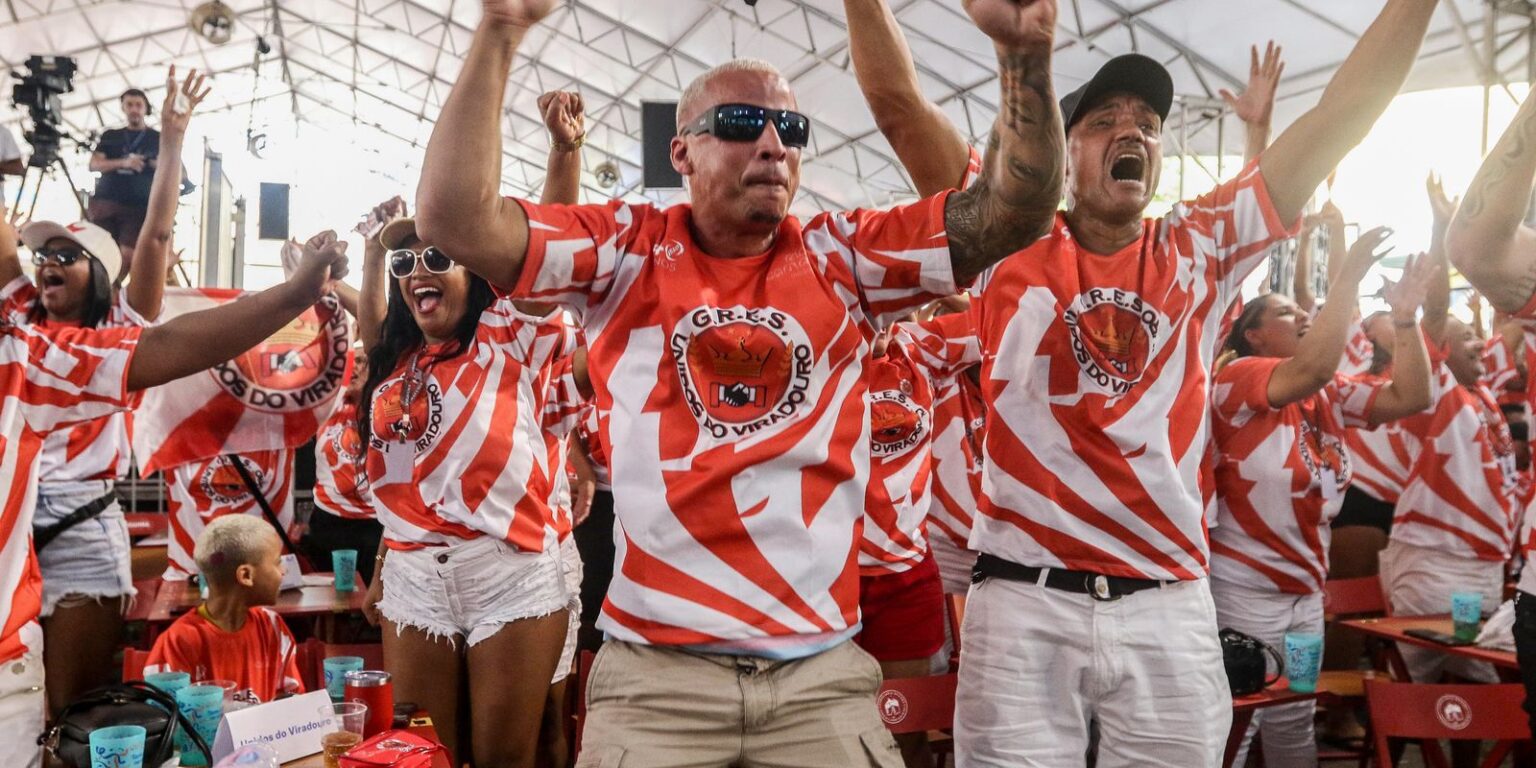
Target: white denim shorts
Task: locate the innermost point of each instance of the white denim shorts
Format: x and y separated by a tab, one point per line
470	589
570	559
91	559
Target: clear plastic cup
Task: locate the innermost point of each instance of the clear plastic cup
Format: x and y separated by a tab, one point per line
348	718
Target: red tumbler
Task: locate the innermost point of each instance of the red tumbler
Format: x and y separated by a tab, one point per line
374	688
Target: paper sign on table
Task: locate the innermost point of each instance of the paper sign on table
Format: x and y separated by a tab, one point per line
292	577
291	727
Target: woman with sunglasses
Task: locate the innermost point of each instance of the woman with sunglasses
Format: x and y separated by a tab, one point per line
1279	411
471	588
82	538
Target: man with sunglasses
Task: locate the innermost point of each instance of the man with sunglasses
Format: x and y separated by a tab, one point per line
1090	600
726	346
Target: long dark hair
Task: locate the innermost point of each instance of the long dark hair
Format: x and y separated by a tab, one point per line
401	335
98	299
1237	338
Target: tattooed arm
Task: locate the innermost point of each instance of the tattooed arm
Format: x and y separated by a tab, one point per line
1013	202
1486	239
1312	147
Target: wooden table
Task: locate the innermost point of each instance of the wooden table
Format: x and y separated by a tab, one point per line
317	599
421	725
1243	708
1393	628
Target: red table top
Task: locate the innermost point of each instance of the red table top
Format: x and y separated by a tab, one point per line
1393	627
1273	696
421	725
175	598
142	524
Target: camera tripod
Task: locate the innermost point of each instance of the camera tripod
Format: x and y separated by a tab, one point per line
42	173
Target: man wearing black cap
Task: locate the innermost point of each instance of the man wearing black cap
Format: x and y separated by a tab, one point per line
1090	600
125	158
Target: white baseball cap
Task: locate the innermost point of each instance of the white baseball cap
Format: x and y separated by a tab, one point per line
96	241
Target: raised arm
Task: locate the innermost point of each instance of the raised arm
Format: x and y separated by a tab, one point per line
1338	249
1257	104
1013	202
1359	92
459	206
927	143
10	248
1318	353
565	119
1301	281
1437	302
1409	392
146	283
1487	240
200	340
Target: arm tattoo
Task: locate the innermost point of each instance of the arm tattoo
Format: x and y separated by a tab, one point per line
1013	202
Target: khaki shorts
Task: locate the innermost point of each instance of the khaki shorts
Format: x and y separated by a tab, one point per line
658	707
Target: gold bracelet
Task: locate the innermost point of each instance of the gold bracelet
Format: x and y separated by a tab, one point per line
569	146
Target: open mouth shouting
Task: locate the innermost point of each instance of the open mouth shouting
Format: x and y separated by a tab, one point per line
1129	166
425	299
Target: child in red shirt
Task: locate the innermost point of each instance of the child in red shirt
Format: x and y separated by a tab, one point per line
233	635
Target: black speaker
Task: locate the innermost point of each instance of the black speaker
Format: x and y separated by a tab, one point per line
273	217
658	124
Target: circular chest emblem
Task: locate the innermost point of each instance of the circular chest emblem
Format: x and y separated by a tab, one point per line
221	483
1453	711
893	707
347	443
1114	335
897	423
742	370
406	412
296	368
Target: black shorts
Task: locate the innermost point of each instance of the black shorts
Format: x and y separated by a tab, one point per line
1361	508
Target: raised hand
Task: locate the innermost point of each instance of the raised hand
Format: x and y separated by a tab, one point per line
1406	295
324	259
379	215
181	99
1363	255
1442	205
1015	23
563	116
1257	102
518	13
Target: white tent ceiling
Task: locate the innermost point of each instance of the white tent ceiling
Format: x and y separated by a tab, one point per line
379	70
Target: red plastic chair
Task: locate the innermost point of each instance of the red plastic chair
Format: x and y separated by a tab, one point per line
1427	713
918	704
133	663
1356	597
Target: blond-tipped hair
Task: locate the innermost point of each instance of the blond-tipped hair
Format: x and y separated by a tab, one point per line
230	542
690	104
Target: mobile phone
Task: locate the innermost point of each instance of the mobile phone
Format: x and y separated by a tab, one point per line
1438	637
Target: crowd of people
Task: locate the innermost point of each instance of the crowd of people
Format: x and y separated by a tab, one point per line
746	457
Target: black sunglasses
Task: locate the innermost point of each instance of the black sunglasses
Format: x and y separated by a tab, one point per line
64	256
745	122
402	261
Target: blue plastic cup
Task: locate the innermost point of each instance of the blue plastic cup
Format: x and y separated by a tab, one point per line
169	682
118	746
1466	614
1303	660
203	706
344	564
336	669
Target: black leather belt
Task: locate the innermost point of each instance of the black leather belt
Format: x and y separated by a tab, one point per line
1095	585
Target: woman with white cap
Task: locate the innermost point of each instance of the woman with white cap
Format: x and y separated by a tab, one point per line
79	530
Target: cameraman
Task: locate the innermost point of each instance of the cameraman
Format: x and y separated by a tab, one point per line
11	163
125	158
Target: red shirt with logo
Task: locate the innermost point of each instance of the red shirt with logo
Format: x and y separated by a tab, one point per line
457	448
260	658
200	491
341	480
48	381
732	396
959	423
1280	475
1095	372
1460	496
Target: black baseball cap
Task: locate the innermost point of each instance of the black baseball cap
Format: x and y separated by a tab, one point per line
1130	73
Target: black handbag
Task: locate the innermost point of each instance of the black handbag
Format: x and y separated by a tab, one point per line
1244	657
132	703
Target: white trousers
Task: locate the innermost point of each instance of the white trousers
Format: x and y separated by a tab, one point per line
1289	738
1419	582
22	703
1038	664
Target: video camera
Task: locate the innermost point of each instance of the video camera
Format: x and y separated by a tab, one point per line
47	78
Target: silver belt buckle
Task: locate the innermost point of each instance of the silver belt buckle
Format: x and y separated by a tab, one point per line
1098	587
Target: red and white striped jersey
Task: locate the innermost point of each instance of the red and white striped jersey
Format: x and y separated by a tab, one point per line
731	395
959	421
457	449
1359	352
48	381
1460	493
200	491
1280	475
341	479
1500	374
1095	374
97	449
587	430
562	412
901	397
